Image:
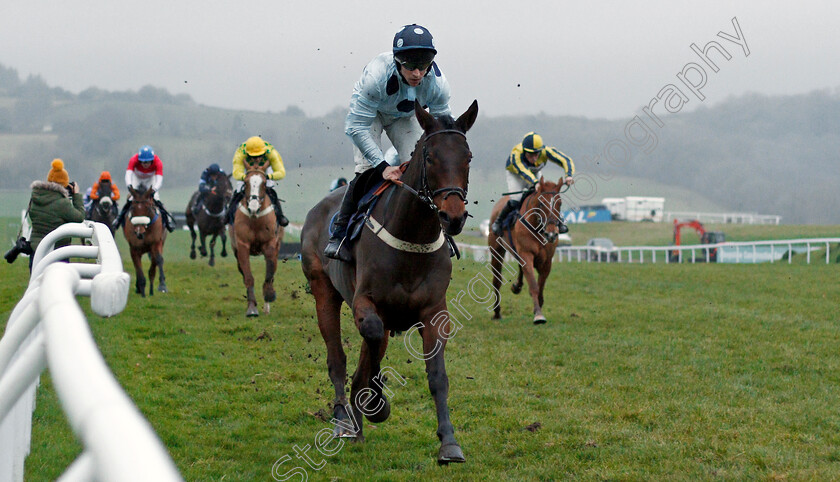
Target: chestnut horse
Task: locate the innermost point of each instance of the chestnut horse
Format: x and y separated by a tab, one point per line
532	242
144	231
210	219
399	279
255	231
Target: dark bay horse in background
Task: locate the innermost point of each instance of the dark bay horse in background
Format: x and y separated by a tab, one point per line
255	231
533	239
399	279
210	219
144	231
105	211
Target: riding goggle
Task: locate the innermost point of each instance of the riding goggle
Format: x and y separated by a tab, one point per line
413	65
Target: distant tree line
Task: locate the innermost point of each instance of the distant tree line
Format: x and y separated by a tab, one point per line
765	154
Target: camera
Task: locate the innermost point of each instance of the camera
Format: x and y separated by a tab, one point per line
21	246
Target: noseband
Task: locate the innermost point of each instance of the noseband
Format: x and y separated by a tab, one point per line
549	220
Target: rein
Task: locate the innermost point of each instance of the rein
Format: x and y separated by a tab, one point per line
244	202
426	196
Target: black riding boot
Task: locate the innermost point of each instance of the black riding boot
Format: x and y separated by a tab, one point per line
168	220
118	223
234	202
278	210
199	203
497	224
335	246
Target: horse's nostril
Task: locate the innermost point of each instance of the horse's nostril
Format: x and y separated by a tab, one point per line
443	217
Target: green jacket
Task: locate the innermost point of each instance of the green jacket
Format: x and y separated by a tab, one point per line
49	207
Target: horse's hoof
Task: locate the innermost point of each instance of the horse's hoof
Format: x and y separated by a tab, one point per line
252	311
192	254
224	254
203	252
496	316
539	320
382	414
162	289
212	262
451	453
515	289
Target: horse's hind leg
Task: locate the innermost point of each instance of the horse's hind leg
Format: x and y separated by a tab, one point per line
224	244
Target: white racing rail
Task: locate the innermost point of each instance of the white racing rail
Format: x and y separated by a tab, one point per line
47	329
729	252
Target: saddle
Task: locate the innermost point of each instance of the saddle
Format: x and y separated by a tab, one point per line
513	216
373	190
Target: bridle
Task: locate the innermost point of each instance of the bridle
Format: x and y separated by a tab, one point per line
425	194
549	211
259	198
243	204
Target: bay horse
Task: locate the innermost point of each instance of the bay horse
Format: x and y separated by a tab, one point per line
210	219
532	241
399	279
255	231
144	231
104	210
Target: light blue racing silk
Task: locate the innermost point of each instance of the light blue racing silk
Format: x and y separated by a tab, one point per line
382	91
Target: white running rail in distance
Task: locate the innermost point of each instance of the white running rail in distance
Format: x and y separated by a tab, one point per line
48	329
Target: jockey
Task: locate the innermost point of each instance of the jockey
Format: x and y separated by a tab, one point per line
383	99
145	170
88	202
337	183
206	184
523	165
254	152
104	186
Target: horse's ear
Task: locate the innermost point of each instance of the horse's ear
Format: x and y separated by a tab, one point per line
467	119
133	192
427	122
541	185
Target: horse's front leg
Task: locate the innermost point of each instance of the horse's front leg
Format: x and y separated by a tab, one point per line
192	235
434	344
243	259
224	244
203	248
269	295
366	393
158	255
497	257
140	284
328	309
213	237
544	269
533	287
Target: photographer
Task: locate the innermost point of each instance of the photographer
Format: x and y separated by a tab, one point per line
53	203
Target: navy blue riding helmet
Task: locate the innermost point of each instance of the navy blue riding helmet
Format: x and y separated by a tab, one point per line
414	47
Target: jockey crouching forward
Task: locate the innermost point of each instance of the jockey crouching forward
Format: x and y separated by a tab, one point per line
206	184
104	186
254	152
145	171
383	99
523	165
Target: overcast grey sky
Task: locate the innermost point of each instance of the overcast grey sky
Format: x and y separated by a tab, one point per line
593	59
